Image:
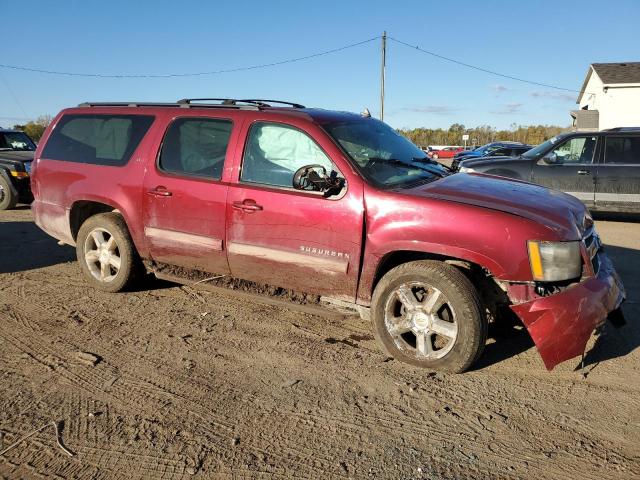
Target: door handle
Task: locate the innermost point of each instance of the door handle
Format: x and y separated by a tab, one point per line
584	172
159	191
248	205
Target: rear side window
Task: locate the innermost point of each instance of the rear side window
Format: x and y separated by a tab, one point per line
195	146
622	150
97	139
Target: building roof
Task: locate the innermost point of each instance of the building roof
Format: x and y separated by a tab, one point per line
613	73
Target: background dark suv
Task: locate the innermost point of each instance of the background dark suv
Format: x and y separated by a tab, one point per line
600	168
16	154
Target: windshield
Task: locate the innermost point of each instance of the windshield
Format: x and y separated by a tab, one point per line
541	149
382	155
16	141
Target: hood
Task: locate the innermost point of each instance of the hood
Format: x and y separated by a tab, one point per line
478	161
14	156
558	211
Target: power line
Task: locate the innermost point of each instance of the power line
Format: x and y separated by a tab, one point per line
510	77
15	99
282	62
194	74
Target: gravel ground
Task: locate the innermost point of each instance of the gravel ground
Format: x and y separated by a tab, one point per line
173	382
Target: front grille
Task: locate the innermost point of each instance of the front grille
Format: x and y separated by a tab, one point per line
594	245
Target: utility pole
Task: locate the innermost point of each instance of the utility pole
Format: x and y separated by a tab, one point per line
382	73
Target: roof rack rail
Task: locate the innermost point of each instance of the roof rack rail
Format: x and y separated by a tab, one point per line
261	100
261	103
179	104
126	104
249	104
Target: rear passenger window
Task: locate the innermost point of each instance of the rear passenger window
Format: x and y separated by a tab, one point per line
97	139
622	150
196	146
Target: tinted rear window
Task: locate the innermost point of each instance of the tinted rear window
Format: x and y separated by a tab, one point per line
97	139
624	150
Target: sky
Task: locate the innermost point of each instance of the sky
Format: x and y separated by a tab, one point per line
551	42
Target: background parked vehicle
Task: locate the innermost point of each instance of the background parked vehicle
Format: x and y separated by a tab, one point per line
510	150
446	152
600	168
490	148
16	154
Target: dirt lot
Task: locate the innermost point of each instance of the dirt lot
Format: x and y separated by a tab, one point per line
196	384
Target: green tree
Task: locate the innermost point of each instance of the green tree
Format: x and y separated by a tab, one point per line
35	128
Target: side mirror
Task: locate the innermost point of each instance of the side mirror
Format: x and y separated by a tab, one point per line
314	178
550	158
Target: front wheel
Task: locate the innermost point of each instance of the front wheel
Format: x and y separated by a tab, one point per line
106	253
7	199
428	314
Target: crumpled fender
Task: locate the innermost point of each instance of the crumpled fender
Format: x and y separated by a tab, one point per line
561	324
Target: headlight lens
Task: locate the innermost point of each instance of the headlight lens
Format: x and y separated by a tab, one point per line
466	170
555	261
17	174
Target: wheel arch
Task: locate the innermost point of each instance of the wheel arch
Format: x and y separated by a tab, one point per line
81	210
444	253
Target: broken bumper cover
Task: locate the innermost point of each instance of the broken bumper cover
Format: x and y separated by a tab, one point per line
561	324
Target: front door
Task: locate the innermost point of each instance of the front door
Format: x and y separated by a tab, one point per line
618	185
184	199
286	237
569	167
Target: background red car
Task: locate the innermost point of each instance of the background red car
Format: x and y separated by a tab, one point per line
447	152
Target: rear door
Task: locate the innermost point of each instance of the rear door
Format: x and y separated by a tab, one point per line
286	237
184	199
618	183
571	168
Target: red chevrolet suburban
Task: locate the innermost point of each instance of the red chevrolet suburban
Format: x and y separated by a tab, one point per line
330	203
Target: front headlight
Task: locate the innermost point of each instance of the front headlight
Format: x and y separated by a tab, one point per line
17	174
466	170
555	261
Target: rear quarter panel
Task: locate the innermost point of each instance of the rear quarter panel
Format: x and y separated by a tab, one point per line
59	184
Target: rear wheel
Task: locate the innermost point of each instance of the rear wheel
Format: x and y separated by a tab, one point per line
106	253
7	199
428	314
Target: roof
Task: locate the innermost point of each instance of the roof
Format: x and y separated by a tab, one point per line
612	74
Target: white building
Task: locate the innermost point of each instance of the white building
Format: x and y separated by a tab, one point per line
609	97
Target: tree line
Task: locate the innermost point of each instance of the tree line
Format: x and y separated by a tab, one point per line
529	134
35	128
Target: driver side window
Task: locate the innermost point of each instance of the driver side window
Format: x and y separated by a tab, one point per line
576	150
274	152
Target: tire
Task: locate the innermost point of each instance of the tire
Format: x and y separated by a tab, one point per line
428	314
8	199
106	253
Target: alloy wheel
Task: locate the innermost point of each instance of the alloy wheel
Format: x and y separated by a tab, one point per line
102	255
421	320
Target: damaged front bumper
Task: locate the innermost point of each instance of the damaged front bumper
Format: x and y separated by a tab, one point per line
561	324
